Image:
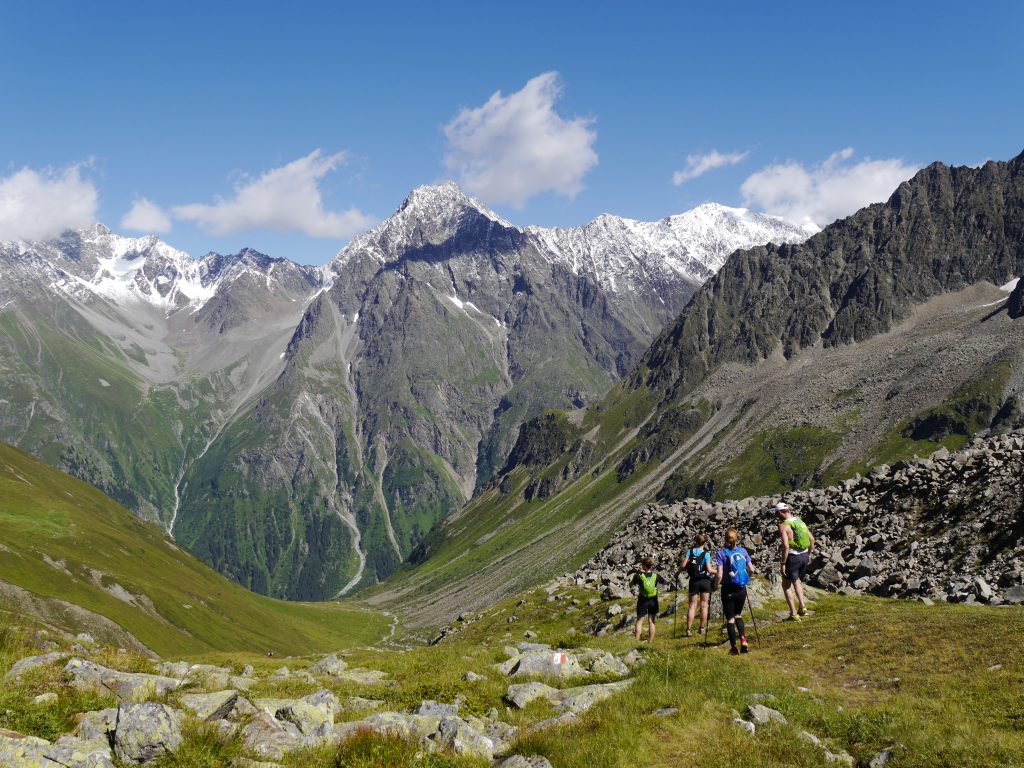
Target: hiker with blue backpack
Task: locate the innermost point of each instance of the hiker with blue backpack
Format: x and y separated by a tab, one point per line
647	583
696	562
797	543
734	571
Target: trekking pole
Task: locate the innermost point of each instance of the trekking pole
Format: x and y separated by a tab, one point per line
675	606
752	619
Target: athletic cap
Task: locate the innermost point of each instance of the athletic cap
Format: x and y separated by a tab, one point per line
781	506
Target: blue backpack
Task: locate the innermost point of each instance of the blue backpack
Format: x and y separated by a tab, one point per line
739	576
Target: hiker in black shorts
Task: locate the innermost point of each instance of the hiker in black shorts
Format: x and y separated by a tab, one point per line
797	543
734	570
696	562
647	583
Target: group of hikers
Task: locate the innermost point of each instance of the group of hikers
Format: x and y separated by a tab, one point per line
731	568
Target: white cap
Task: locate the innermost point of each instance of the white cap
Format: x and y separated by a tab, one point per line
782	507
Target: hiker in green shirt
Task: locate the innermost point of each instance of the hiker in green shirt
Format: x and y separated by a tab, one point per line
797	543
646	582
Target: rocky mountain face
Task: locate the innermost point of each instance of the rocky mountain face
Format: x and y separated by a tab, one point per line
891	333
943	230
303	428
940	528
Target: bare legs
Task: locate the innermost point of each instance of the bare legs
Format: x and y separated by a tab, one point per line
638	629
788	588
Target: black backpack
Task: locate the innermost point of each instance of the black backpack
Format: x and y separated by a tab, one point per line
697	568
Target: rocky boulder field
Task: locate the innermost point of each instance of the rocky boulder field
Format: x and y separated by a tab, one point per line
949	527
153	711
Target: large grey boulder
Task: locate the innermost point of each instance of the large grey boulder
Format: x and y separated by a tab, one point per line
32	662
557	663
145	732
127	686
330	665
311	712
762	715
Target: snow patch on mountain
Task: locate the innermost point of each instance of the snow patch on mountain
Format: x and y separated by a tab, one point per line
624	254
145	270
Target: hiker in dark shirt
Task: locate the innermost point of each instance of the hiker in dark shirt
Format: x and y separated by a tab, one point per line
734	570
696	563
646	582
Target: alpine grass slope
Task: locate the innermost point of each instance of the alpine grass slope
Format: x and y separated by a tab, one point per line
75	561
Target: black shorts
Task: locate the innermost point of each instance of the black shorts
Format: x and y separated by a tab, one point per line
796	564
700	585
733	601
647	606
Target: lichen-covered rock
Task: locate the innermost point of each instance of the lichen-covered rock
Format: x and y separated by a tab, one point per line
606	664
145	732
460	737
435	709
522	694
96	725
330	665
266	737
416	728
79	753
579	700
210	706
127	686
23	751
557	663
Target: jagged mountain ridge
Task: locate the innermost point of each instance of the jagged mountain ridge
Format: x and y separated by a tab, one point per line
891	332
252	405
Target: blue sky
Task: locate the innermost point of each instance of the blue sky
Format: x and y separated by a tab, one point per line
602	107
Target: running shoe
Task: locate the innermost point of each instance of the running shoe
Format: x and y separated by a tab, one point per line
734	651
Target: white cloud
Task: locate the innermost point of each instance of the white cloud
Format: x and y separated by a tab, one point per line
146	216
282	199
40	205
830	190
516	146
698	165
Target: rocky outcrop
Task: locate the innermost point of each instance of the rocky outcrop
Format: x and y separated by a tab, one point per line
1015	305
946	527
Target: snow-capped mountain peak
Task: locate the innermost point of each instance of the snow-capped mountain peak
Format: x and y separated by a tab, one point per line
429	215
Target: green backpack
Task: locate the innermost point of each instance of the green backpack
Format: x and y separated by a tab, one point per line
801	536
649	585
